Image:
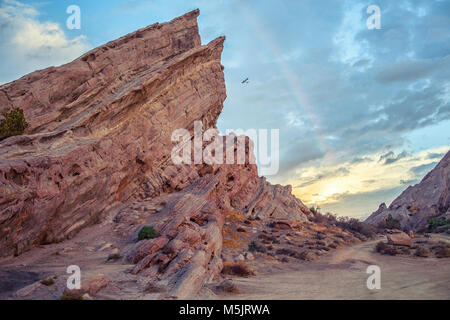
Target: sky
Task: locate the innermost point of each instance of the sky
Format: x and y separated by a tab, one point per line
362	113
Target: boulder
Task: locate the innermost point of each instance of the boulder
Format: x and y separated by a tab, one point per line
95	284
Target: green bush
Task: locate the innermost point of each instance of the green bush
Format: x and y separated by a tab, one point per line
147	232
48	282
392	223
255	246
314	210
433	223
13	124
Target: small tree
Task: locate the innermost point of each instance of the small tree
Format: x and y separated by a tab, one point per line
14	124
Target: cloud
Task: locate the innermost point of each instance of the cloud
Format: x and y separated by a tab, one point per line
360	159
342	95
390	157
344	92
421	170
336	187
408	182
434	155
361	205
408	70
29	44
326	173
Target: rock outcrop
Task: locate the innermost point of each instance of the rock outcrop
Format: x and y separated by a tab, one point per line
189	223
100	129
399	238
430	198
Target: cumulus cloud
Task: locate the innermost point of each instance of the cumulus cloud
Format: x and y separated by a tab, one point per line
29	44
391	157
408	70
433	155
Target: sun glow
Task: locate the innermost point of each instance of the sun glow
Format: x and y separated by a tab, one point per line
328	184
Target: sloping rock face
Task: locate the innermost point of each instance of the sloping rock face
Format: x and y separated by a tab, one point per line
100	129
429	198
189	223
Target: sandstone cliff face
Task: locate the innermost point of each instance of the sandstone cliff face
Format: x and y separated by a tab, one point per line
188	250
429	198
98	149
100	129
99	145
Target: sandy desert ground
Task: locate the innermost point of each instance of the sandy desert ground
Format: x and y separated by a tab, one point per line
341	274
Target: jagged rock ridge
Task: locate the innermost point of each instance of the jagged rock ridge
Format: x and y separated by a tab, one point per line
429	198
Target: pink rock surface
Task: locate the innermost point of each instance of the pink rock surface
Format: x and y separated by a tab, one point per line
100	129
99	145
399	239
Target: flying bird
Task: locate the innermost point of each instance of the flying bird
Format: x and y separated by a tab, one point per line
245	81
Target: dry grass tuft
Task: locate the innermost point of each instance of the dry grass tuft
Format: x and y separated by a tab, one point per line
237	269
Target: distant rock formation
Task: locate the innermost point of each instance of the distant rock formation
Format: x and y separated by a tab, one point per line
429	198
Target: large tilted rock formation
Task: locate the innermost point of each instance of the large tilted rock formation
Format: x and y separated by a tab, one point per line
429	198
100	129
99	147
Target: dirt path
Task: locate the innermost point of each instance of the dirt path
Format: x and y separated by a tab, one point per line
339	275
342	275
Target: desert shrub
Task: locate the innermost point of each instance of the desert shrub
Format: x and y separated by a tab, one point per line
350	224
306	255
319	218
384	248
422	252
443	251
147	232
354	225
255	246
13	124
288	252
72	295
434	223
48	282
380	247
237	269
